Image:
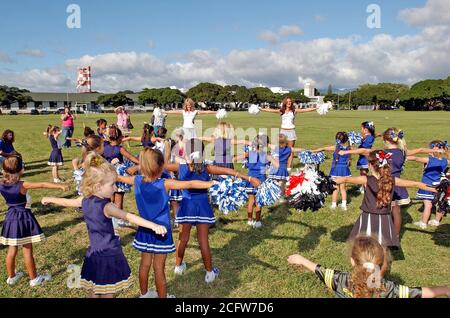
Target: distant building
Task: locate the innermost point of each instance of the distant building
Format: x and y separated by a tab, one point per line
278	90
309	91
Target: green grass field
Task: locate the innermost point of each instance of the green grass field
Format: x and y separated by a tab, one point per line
252	262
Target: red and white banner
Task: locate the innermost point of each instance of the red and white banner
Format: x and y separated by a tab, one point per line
84	79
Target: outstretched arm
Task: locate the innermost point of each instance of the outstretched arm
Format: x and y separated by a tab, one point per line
172	167
306	110
205	112
417	159
129	138
230	172
112	210
417	151
274	161
68	203
297	259
359	151
176	112
413	184
362	180
207	139
127	180
45	185
128	155
269	110
431	292
327	148
172	184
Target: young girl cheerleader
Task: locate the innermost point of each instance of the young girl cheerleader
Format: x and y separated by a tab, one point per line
223	139
147	139
368	138
152	202
195	209
86	133
257	162
282	153
6	145
434	166
379	193
370	262
177	155
189	113
339	167
20	227
395	144
56	158
102	130
105	269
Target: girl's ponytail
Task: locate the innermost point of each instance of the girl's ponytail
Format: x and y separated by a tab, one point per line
380	162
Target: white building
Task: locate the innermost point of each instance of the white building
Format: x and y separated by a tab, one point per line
278	90
309	91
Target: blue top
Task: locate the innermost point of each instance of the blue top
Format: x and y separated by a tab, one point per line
100	228
6	146
184	174
12	195
433	170
53	142
397	161
222	150
283	155
147	143
340	160
112	152
257	164
367	142
152	200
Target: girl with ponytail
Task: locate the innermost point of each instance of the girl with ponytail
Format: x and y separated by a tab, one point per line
370	262
380	186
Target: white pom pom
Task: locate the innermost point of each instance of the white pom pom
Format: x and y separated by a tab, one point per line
324	108
253	109
228	194
269	192
157	112
221	113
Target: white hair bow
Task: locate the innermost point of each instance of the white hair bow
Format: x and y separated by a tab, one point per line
369	265
195	155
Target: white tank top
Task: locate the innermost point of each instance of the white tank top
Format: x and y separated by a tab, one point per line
188	119
287	120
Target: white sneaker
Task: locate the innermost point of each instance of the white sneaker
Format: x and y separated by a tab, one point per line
434	222
151	293
13	280
333	207
251	223
179	270
39	280
257	224
421	225
361	190
57	180
343	207
211	276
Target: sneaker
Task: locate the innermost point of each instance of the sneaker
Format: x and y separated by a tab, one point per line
251	223
151	293
13	280
179	270
361	190
434	222
343	207
56	180
257	224
211	276
39	280
333	207
421	224
171	296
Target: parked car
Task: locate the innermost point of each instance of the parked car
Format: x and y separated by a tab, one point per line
13	112
34	112
45	112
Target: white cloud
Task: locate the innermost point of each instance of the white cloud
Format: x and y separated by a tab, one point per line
31	53
287	30
5	58
283	31
269	36
435	12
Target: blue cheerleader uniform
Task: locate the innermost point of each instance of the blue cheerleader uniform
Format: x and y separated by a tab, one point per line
283	155
397	162
339	166
222	153
194	207
105	269
367	143
174	195
113	152
20	226
152	202
431	176
147	143
257	165
56	158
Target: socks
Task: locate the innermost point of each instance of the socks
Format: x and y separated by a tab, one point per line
344	203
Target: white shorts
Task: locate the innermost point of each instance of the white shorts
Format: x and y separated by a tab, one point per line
189	133
289	133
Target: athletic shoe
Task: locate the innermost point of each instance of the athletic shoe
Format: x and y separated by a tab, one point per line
251	223
421	224
211	276
39	280
361	190
343	207
13	280
333	207
434	222
257	224
179	270
151	293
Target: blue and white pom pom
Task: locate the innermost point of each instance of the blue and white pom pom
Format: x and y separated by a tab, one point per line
253	109
221	114
228	194
245	161
121	169
354	138
311	158
269	192
78	176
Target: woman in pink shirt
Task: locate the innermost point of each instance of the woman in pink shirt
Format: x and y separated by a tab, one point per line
67	127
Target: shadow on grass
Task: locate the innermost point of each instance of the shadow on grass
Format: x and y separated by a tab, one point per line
51	230
38	172
35	167
395	278
27	163
442	235
39	209
342	233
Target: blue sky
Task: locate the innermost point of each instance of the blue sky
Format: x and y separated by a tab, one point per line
170	30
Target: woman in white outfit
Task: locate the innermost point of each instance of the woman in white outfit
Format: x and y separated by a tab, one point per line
189	113
288	112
